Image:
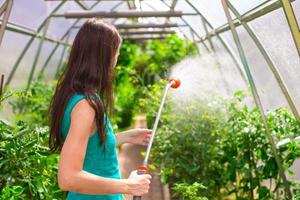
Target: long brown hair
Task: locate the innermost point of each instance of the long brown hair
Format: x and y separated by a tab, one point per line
89	71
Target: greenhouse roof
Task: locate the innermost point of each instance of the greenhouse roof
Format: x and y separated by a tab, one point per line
268	31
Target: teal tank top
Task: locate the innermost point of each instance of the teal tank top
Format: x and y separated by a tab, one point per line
97	160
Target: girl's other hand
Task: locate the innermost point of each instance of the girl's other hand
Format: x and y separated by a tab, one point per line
140	136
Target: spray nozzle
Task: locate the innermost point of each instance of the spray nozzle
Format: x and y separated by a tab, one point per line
175	82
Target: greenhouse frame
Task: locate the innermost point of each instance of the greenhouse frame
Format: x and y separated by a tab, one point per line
254	45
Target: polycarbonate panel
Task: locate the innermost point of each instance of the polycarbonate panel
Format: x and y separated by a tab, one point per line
155	5
47	48
296	8
22	73
186	32
212	10
31	13
232	79
168	2
244	6
108	5
281	48
264	79
59	26
206	46
201	48
211	74
158	5
9	55
68	6
229	39
120	21
54	62
184	29
8	51
184	7
87	3
196	23
73	34
266	83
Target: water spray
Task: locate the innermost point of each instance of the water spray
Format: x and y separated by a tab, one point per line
173	83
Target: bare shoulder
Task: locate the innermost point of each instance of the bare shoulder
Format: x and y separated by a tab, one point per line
83	110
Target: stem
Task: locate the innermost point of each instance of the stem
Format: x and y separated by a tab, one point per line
277	187
237	186
250	167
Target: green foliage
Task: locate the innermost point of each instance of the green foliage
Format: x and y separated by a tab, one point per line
27	168
141	66
150	103
223	145
12	193
189	192
23	149
125	103
32	105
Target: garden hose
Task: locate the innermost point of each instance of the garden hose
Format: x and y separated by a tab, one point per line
173	83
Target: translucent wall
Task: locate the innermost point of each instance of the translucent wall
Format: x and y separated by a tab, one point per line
272	29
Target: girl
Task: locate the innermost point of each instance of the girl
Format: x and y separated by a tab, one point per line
80	129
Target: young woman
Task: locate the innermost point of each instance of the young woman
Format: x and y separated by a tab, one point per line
80	129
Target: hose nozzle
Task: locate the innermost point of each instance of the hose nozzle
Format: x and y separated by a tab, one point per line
175	82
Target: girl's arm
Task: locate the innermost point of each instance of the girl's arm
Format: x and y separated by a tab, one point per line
139	136
71	176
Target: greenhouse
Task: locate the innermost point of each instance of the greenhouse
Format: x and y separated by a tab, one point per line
149	99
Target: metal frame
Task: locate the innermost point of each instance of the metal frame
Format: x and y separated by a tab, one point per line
160	37
147	32
6	9
256	98
247	17
74	25
16	28
81	4
269	61
121	14
144	25
191	28
224	43
185	36
61	60
3	7
38	52
62	38
292	21
180	30
172	7
16	65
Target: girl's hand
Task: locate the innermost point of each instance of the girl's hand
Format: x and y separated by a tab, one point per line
138	136
138	185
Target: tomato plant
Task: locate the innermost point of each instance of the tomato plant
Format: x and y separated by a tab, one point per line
27	168
221	144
